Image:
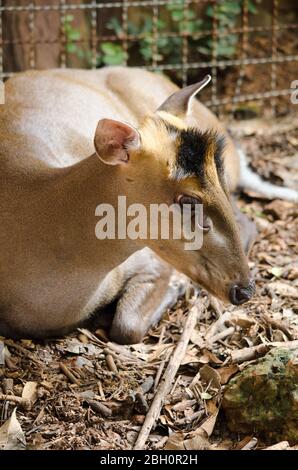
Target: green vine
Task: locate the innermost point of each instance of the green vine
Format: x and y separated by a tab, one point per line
174	18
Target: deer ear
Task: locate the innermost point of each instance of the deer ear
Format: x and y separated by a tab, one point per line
114	139
179	103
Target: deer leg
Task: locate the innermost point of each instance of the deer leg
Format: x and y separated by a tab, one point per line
143	303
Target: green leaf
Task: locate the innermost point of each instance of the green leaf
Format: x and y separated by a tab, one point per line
74	35
109	48
114	25
161	25
209	11
177	15
252	7
71	48
69	18
174	6
260	214
230	7
206	396
190	14
276	271
225	50
114	60
113	54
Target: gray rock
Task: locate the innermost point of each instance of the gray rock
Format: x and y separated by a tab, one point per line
263	398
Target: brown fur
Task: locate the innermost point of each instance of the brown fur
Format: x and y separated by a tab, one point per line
54	273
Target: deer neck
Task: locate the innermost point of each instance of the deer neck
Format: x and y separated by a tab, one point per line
75	193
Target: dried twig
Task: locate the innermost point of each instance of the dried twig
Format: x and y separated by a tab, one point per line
100	389
100	408
110	362
218	325
278	325
69	374
251	444
159	372
216	305
189	419
24	402
247	354
222	335
124	359
254	352
285	344
22	350
283	445
165	385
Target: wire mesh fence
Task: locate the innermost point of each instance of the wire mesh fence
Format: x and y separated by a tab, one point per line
248	46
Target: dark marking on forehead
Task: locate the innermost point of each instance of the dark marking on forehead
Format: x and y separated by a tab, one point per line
195	149
220	143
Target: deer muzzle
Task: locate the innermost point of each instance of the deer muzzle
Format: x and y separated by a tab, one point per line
240	294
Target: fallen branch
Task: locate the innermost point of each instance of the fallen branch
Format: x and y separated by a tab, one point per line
100	408
159	372
110	362
116	350
283	445
254	352
216	305
123	358
218	326
24	402
23	351
279	326
251	444
68	374
222	335
166	383
285	344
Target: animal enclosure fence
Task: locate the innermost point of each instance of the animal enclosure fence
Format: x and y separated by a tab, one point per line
248	46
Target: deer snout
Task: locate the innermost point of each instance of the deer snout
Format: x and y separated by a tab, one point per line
240	293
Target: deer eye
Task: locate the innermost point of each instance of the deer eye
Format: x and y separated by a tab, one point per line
189	200
192	201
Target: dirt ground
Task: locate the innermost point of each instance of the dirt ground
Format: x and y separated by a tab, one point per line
82	392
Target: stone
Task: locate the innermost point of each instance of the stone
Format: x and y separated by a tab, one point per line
263	398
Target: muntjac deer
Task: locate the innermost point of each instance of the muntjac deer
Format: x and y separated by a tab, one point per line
72	139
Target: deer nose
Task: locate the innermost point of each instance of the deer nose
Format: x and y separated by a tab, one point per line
240	294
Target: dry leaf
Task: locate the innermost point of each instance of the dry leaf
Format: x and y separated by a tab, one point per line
212	357
209	424
190	359
206	396
182	405
30	391
74	346
11	434
212	406
191	356
197	338
210	376
199	442
283	288
225	373
175	442
242	320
